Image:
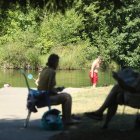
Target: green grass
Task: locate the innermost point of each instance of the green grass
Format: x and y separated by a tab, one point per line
90	99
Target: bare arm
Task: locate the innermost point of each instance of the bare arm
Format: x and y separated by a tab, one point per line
93	67
51	83
36	81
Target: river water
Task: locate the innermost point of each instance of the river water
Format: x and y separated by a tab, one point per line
67	78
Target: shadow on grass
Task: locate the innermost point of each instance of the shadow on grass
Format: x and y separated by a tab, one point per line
120	128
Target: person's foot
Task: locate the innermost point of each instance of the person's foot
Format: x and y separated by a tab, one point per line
75	117
94	115
71	122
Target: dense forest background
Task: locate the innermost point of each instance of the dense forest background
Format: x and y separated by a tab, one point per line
77	30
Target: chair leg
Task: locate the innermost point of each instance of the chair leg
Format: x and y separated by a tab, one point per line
138	112
137	120
123	110
27	119
122	115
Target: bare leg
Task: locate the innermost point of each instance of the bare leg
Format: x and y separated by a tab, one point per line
94	85
110	113
110	100
66	108
110	103
66	101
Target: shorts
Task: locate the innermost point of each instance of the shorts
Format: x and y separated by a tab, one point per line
94	79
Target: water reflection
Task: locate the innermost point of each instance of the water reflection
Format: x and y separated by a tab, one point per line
67	78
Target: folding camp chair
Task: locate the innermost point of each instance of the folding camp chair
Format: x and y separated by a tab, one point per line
127	79
33	100
132	100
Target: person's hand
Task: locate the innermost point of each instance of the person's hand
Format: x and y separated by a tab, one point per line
91	74
59	89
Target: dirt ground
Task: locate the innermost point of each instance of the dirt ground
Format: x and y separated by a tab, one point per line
12	116
92	130
122	126
13	113
99	135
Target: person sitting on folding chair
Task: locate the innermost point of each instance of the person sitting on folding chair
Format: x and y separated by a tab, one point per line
47	82
116	95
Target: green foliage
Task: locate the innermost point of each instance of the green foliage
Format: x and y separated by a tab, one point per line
74	56
58	29
115	32
79	35
18	23
12	55
32	56
52	5
18	35
126	36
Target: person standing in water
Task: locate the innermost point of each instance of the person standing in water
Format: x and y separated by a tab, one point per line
94	71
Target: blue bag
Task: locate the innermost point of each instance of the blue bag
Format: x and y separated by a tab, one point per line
51	120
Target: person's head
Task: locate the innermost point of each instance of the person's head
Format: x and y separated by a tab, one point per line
53	61
99	59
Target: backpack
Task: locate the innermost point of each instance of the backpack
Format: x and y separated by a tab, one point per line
51	120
